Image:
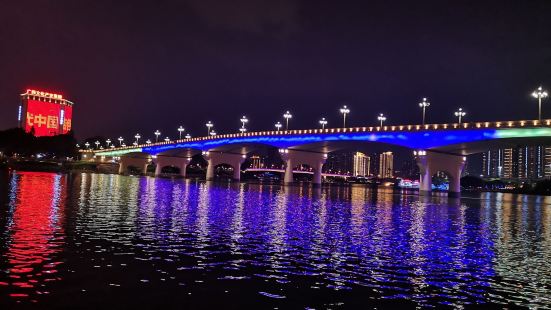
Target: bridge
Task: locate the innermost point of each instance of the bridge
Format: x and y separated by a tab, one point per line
436	147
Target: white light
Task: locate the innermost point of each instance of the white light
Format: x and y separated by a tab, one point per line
19	113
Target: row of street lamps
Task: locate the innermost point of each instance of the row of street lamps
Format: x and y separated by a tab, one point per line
539	94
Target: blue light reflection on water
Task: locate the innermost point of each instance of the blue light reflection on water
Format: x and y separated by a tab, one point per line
382	245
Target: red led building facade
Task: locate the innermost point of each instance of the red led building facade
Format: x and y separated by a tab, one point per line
44	113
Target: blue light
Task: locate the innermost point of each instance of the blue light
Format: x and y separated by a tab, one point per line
62	117
413	140
19	113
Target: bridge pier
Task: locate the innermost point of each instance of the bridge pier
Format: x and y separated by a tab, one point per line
164	161
295	157
126	162
431	162
217	158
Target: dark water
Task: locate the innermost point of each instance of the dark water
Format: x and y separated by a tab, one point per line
106	241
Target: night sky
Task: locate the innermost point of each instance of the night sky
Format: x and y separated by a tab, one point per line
136	67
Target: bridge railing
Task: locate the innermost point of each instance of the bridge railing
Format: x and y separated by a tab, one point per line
385	128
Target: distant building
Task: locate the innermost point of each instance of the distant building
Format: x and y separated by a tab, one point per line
352	163
386	165
522	162
339	162
361	164
256	162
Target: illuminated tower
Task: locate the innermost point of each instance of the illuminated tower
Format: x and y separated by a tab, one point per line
360	165
386	165
44	113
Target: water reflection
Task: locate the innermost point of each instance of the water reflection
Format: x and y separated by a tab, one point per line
292	246
35	219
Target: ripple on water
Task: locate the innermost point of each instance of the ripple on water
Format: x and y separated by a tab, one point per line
294	244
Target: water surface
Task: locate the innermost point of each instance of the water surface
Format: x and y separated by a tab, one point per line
98	240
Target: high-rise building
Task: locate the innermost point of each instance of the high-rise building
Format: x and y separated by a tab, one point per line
386	165
45	114
256	162
522	162
361	164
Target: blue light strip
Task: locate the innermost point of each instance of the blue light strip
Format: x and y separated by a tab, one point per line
414	140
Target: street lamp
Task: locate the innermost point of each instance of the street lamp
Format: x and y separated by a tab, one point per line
167	139
323	122
381	118
278	126
344	110
108	141
120	140
287	116
157	134
424	104
242	129
148	141
212	133
460	113
135	143
539	94
137	136
243	120
87	145
97	144
209	125
180	130
188	136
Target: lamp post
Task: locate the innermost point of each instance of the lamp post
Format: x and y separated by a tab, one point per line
120	140
148	141
87	145
108	141
167	139
212	133
278	126
157	134
381	118
323	122
188	136
539	94
344	110
287	116
424	104
137	136
97	144
180	130
460	113
243	120
209	125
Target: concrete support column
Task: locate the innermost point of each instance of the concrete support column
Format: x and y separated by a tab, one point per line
217	158
294	157
210	169
288	178
158	169
122	167
431	162
164	161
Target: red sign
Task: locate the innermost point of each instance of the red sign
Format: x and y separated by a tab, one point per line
67	118
44	117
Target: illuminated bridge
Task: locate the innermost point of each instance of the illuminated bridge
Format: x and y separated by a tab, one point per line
437	147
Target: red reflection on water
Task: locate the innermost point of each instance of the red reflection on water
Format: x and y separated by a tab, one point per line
35	232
